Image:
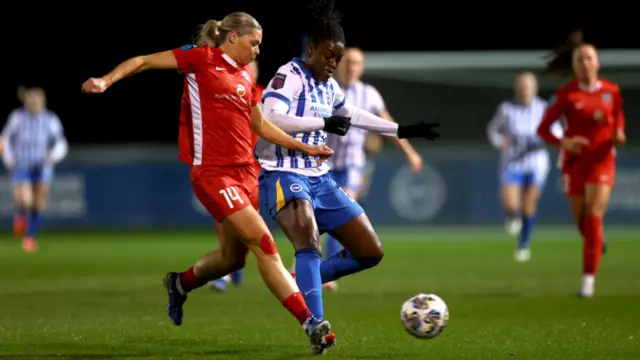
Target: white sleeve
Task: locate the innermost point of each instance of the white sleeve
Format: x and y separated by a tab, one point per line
60	145
277	99
376	102
10	128
365	120
360	118
496	126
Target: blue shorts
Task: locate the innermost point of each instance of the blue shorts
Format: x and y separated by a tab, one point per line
34	175
523	179
349	178
332	206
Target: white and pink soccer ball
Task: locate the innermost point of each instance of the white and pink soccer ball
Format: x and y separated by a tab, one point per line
424	316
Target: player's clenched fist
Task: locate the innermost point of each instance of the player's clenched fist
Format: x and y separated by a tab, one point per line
95	86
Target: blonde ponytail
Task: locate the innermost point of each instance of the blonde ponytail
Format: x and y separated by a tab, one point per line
214	33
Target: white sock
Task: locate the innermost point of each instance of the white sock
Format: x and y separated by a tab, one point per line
588	282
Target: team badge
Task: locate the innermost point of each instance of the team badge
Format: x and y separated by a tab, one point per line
606	98
296	188
241	90
278	81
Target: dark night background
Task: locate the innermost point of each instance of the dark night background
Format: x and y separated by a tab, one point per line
58	48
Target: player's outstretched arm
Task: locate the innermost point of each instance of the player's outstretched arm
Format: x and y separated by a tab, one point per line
134	65
265	129
366	120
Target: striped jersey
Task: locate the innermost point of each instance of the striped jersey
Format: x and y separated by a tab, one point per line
349	149
294	85
29	139
518	124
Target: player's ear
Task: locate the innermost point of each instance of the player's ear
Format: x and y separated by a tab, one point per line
233	37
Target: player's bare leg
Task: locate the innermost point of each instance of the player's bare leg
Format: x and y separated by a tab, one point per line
230	256
221	283
530	197
595	203
297	220
510	195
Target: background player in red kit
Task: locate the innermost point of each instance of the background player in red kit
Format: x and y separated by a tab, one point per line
219	110
594	123
237	276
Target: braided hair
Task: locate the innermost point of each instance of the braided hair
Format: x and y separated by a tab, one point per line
324	23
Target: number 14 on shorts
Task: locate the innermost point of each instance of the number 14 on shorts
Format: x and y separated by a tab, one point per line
231	194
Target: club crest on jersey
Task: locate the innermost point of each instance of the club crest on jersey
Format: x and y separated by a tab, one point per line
606	98
241	90
278	81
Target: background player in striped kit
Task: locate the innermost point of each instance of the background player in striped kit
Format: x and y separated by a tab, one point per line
349	157
33	141
524	159
302	195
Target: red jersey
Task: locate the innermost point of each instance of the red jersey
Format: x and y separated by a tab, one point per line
215	115
594	113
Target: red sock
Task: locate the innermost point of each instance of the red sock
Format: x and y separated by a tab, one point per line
189	281
297	307
593	242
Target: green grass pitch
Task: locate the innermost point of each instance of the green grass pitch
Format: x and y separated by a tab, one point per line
98	295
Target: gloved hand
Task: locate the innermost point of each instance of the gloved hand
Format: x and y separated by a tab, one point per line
419	130
337	124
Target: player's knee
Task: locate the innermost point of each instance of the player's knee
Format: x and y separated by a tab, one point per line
303	235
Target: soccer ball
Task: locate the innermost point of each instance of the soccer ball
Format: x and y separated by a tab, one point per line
424	316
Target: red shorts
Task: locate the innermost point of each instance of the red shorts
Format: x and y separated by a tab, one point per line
575	180
225	190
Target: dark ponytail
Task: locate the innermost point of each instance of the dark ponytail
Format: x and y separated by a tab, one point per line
560	60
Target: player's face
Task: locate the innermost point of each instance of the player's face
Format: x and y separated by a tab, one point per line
249	46
585	62
526	88
351	67
324	59
33	101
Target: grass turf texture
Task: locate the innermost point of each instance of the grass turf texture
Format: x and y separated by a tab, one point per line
98	295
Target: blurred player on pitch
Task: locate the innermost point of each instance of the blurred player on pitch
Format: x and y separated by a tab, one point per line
33	142
524	159
349	158
594	126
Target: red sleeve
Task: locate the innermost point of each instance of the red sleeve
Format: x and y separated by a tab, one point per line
190	58
257	94
554	112
618	113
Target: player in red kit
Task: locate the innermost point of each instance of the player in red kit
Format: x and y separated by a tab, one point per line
237	276
594	124
219	112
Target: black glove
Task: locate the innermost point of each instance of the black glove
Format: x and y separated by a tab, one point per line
337	124
419	130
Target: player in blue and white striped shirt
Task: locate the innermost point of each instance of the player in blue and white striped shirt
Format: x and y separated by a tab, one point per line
300	193
33	142
349	159
524	160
